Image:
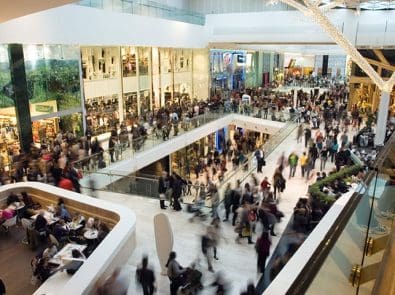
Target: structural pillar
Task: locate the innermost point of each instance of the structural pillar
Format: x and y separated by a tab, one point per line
20	95
295	98
382	117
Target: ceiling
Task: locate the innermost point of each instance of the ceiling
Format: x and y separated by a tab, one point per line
13	9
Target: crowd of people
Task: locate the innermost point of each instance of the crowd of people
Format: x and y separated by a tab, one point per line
311	81
324	130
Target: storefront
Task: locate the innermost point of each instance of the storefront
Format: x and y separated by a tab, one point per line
124	83
228	69
53	94
119	84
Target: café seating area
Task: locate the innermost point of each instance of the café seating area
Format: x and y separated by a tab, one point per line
54	235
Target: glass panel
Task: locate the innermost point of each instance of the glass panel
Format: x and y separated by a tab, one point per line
382	192
144	57
155	134
129	67
100	62
9	140
52	74
130	107
72	123
182	76
155	79
166	70
336	269
102	114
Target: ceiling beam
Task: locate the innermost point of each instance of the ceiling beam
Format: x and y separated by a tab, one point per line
381	56
381	64
364	80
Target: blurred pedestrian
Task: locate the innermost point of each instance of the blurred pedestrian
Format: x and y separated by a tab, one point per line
262	248
146	277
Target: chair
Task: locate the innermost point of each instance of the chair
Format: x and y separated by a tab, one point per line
53	240
9	223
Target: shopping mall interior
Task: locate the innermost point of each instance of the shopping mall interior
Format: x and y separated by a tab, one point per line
197	147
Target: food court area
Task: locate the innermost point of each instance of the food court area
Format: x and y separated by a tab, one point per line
47	237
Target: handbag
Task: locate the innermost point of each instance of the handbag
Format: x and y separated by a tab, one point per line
246	231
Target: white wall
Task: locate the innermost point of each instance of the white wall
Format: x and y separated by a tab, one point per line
201	73
301	60
74	24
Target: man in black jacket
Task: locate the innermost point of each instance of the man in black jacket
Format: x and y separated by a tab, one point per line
146	277
162	188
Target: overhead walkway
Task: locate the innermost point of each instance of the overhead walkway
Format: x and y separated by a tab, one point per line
155	148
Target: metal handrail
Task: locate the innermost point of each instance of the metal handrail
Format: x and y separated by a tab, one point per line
385	282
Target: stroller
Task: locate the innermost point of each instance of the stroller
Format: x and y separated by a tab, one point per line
196	210
192	284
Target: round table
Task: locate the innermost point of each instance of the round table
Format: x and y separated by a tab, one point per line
91	234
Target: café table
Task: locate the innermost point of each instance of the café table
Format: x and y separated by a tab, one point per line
91	234
51	219
66	253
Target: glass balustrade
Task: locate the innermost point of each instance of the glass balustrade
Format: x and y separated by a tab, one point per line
147	185
147	8
350	255
127	149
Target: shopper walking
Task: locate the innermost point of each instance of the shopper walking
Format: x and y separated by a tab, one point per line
278	183
262	248
162	188
175	273
146	277
303	163
313	154
177	191
293	163
307	136
260	159
299	133
324	157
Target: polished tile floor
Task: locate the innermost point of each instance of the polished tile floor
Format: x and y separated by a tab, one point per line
236	261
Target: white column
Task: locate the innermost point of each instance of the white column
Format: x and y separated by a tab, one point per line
295	97
382	117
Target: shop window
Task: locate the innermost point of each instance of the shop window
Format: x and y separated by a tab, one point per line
144	57
99	63
145	101
102	114
9	139
72	123
52	75
45	131
130	107
165	59
129	68
6	100
182	60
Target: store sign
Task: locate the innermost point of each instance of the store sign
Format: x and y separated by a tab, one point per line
44	108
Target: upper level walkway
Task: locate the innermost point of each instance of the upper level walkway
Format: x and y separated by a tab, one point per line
155	148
